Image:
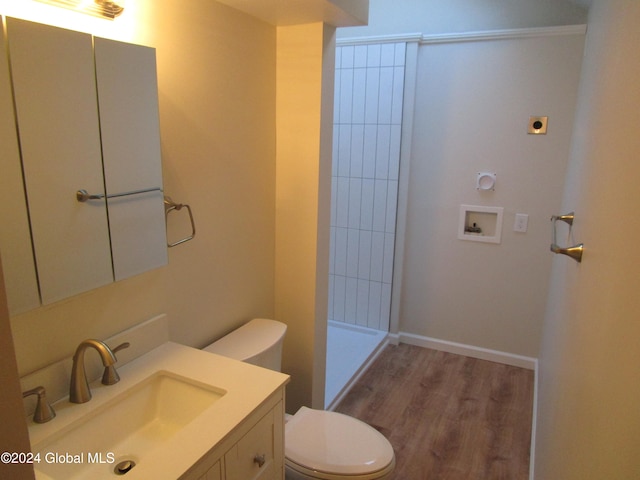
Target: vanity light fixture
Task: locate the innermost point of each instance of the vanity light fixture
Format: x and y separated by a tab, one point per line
100	8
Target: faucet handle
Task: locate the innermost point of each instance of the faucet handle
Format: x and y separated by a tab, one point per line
110	375
44	411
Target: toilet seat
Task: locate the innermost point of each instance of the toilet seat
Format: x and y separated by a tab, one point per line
329	445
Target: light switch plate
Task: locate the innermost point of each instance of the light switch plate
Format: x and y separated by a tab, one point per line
521	223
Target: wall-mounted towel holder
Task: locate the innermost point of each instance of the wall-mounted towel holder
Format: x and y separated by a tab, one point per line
575	251
170	206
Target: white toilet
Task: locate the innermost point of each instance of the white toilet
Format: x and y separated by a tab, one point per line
318	444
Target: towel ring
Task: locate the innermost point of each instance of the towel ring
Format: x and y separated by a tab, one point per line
169	206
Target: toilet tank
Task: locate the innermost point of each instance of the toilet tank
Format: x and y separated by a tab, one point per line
258	342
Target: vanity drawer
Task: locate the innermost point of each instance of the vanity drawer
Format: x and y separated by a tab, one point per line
254	456
214	473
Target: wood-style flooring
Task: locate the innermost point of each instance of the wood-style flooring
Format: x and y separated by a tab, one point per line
447	416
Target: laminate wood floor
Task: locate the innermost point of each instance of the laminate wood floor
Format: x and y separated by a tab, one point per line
447	416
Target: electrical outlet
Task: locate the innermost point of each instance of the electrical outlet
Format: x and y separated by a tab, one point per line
521	223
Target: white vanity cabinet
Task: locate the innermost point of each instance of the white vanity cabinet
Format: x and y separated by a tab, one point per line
87	119
253	451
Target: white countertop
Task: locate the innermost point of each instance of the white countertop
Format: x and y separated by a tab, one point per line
246	386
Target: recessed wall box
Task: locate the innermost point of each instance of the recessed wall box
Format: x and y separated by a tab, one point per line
480	224
537	125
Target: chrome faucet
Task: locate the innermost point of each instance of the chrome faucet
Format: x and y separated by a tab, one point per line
79	391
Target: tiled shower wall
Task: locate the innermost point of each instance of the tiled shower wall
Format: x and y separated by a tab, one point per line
366	157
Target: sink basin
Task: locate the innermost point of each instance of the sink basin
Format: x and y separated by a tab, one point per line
126	428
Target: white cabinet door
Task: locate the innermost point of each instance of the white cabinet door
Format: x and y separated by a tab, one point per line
55	96
15	236
129	123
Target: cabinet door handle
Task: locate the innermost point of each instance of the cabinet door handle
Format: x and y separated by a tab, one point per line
259	459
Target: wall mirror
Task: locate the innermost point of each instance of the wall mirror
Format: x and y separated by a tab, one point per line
76	113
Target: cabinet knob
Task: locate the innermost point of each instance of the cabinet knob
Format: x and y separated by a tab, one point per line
259	459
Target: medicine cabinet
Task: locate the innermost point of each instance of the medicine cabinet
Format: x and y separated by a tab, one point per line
85	118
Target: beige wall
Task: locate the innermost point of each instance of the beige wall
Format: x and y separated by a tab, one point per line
588	415
473	102
303	185
216	75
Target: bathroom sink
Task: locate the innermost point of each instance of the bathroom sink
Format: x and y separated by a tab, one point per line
125	429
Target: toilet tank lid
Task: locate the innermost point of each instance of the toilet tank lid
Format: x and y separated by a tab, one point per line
250	339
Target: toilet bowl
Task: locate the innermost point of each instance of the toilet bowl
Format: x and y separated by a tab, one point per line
319	445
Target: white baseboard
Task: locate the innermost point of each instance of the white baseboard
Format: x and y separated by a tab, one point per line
466	350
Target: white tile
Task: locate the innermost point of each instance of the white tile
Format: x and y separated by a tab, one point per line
339	293
357	150
342	203
353	248
330	303
338	56
385	95
372	96
351	299
379	206
344	150
397	95
373	55
366	206
385	307
347	57
359	95
369	153
336	96
360	56
401	54
334	146
355	196
387	263
332	249
346	95
340	267
377	256
334	200
394	152
375	291
362	310
382	151
387	54
392	207
364	260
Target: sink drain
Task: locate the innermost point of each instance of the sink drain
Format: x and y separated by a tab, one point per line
124	467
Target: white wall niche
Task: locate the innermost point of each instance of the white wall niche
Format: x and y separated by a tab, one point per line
487	219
